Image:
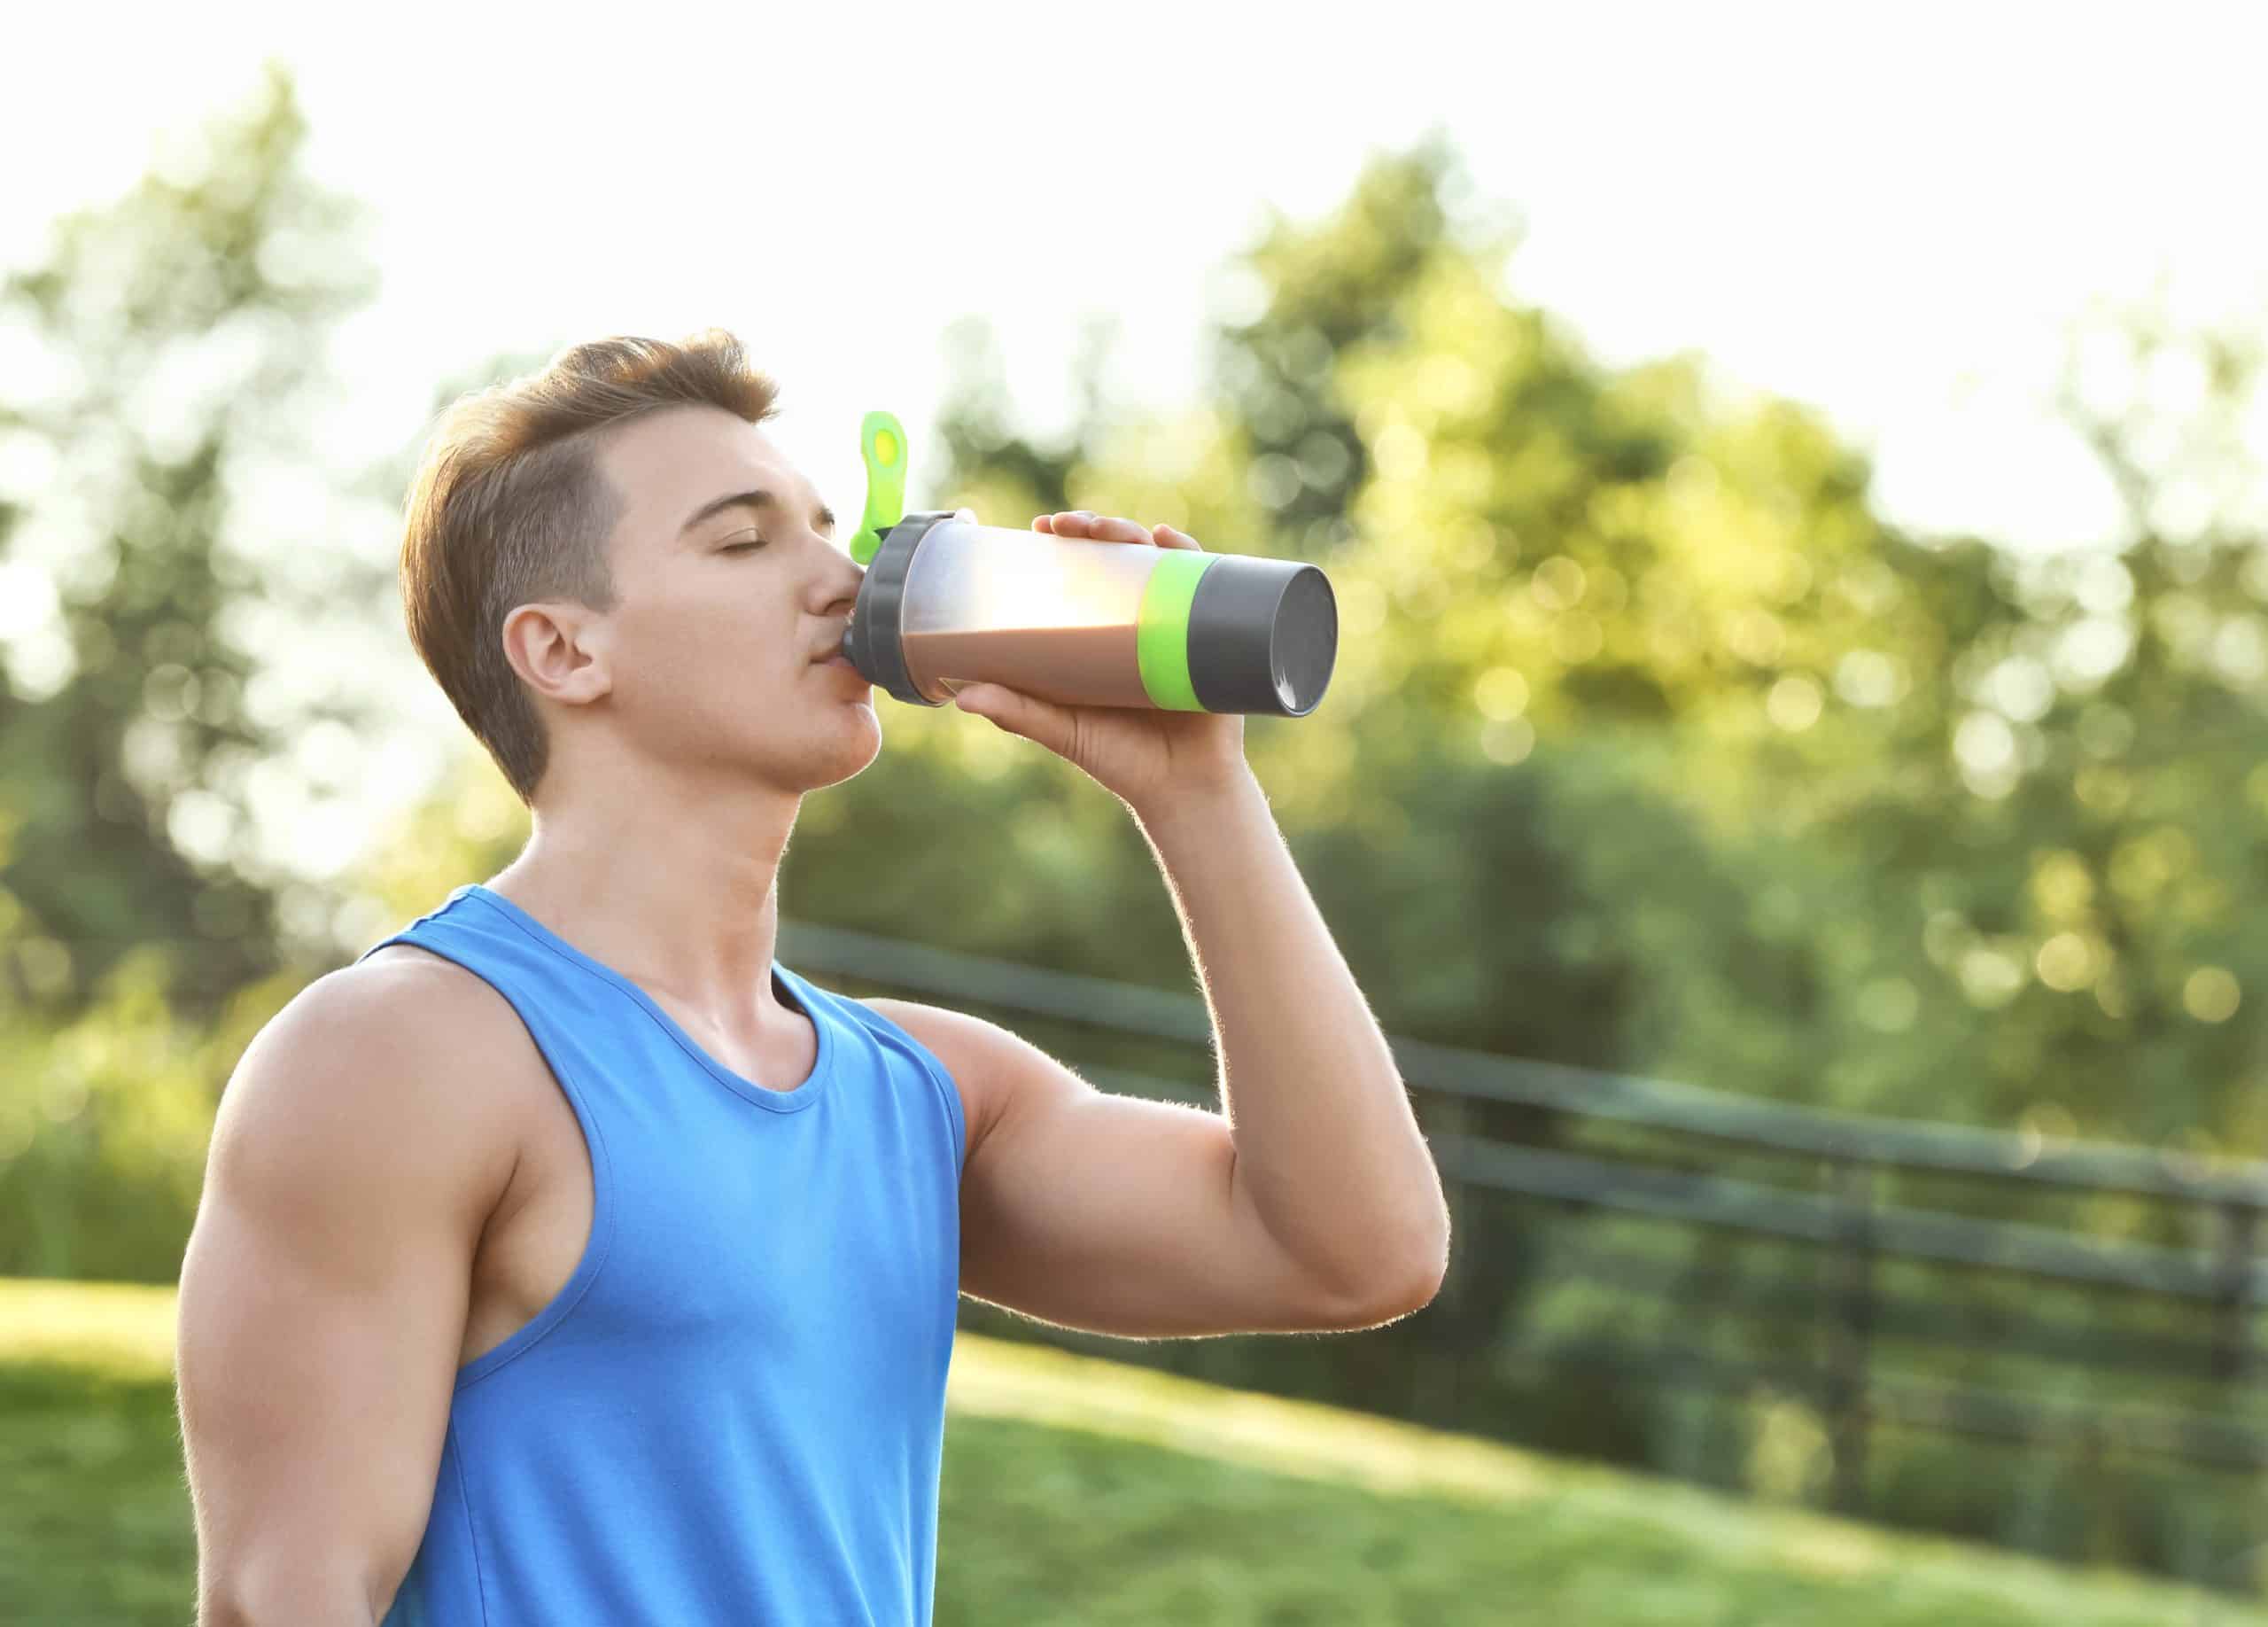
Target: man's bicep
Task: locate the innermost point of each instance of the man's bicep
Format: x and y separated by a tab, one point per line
1112	1214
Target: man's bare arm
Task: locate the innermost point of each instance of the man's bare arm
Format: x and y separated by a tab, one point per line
324	1290
1328	1152
1324	1156
1107	1213
1310	1203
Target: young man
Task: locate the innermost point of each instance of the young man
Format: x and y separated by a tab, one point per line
568	1259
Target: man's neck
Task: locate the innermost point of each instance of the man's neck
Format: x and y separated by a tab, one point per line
681	899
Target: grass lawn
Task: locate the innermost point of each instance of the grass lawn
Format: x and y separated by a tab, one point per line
1077	1490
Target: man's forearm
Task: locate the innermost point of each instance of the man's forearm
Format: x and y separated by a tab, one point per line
1327	1148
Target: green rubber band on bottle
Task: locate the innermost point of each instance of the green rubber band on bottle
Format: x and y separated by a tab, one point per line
882	442
1161	630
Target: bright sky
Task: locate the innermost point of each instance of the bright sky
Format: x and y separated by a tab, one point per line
1891	212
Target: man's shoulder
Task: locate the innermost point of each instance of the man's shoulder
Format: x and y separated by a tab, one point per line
936	1028
972	1051
402	1024
387	1070
408	995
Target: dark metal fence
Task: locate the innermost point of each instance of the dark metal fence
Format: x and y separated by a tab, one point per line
1828	1198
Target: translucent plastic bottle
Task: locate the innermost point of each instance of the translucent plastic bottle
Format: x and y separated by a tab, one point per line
948	602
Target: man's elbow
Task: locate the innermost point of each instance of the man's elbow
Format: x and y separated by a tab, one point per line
1423	1283
265	1598
1410	1286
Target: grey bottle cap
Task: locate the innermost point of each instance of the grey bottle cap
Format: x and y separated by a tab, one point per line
1263	636
871	642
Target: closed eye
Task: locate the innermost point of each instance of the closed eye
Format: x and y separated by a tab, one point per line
740	542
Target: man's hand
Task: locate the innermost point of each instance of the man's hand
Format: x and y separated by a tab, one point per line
1149	758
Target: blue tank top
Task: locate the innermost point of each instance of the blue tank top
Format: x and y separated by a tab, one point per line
733	1411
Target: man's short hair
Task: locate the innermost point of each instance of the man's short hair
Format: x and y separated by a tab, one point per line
510	506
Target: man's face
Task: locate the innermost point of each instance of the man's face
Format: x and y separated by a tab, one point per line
729	581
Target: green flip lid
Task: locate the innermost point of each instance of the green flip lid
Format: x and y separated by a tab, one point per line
882	442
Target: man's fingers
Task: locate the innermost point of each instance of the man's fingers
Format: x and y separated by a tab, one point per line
1094	528
1083	522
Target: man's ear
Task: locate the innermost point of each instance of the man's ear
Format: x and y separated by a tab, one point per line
561	650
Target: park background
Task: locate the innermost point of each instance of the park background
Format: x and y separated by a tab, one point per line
1793	484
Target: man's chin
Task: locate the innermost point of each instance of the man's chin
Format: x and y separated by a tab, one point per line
852	751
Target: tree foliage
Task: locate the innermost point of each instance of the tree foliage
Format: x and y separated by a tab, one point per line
174	340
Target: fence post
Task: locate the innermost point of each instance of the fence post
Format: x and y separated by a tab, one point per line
1850	1333
2232	1313
1438	1373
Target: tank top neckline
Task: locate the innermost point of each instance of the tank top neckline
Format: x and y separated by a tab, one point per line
796	993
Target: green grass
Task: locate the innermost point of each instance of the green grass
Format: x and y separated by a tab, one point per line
1078	1490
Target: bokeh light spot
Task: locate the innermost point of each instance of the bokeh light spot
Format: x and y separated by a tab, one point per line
1794	703
2211	994
2065	962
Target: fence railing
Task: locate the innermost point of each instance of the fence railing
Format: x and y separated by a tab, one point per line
1842	1158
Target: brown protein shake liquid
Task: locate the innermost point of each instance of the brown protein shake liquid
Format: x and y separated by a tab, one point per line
1073	666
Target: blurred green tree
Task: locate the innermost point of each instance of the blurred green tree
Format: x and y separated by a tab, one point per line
175	340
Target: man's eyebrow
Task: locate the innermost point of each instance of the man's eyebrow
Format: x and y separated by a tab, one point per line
756	497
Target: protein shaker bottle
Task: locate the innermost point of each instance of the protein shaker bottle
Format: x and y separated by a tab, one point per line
948	602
